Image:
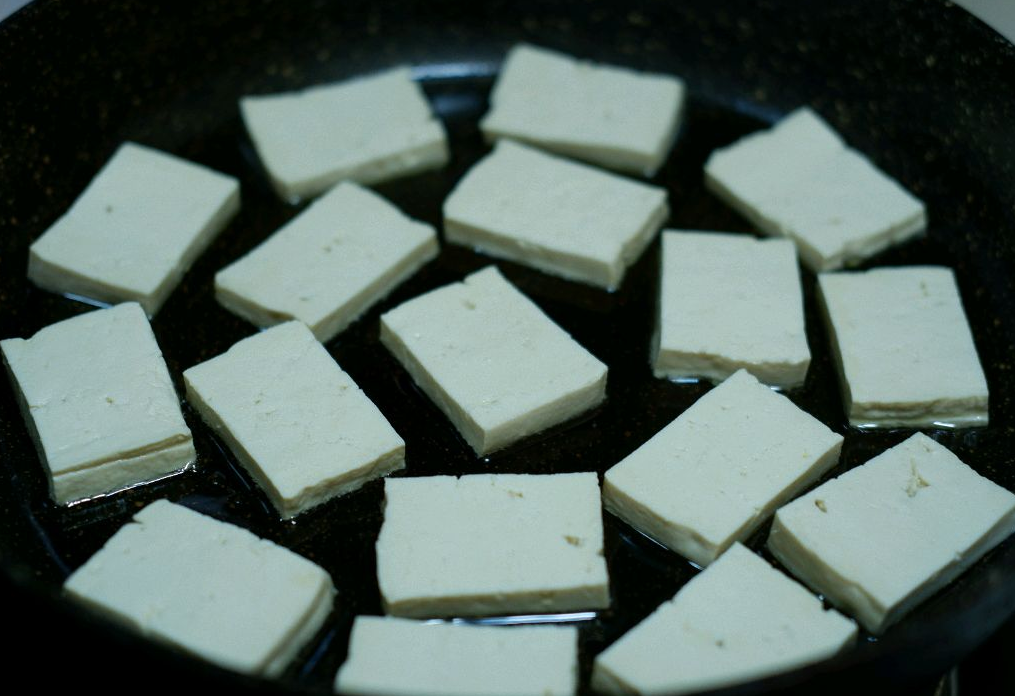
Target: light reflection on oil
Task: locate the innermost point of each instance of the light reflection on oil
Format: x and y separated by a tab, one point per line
520	619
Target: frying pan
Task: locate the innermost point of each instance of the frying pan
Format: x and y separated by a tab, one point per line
923	88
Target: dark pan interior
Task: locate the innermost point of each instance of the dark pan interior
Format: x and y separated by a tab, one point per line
921	87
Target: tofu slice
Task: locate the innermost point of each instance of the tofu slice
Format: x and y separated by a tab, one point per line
209	588
740	619
445	659
800	180
492	544
99	403
716	473
903	348
367	129
727	302
490	359
293	418
606	115
329	265
135	230
554	215
885	536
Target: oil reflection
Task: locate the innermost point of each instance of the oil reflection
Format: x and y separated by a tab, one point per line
520	619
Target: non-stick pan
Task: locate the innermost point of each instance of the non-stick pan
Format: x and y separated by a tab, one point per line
921	87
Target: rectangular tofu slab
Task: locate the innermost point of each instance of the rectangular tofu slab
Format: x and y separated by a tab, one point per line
489	544
398	657
739	619
367	129
584	110
903	348
137	228
716	473
208	588
730	301
330	264
293	418
800	180
558	216
490	359
887	535
99	403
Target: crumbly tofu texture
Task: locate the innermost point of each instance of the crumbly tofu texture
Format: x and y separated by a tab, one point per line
740	619
389	656
489	544
293	418
584	110
135	230
887	535
368	130
490	359
99	403
730	301
717	472
800	180
560	217
903	348
340	256
206	587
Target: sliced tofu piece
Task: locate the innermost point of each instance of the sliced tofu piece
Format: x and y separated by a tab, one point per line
367	129
885	536
558	216
606	115
136	229
903	348
99	403
490	359
489	544
330	264
739	620
799	179
730	301
293	418
389	656
716	473
209	588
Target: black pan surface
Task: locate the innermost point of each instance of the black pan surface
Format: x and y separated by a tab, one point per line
921	87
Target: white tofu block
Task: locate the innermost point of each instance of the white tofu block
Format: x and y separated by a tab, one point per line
329	265
209	588
489	544
398	657
740	619
490	359
800	180
368	129
606	115
293	418
727	302
716	473
135	230
99	403
560	217
903	348
885	536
